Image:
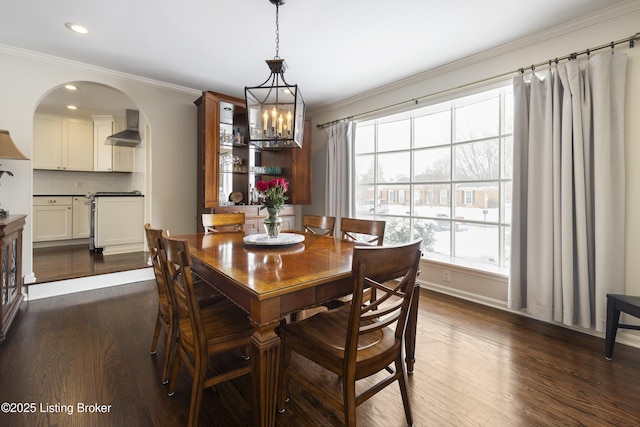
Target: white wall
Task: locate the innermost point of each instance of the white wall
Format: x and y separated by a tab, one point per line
613	24
25	78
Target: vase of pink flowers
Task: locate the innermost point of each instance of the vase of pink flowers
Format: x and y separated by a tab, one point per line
273	196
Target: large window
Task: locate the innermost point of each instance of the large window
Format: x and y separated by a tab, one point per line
443	173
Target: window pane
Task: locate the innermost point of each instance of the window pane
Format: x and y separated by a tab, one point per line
478	120
477	242
394	135
432	129
439	242
364	200
394	200
442	173
364	138
478	201
392	167
399	230
477	160
364	169
433	164
432	200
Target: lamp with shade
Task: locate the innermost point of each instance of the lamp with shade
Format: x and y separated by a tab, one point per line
8	150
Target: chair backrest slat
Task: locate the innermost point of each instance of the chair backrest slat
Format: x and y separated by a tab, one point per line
223	222
363	230
322	225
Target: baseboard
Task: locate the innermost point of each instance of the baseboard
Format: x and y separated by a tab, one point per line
480	299
58	243
64	287
632	339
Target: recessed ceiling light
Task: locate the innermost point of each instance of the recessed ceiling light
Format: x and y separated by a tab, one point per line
76	28
72	107
70	87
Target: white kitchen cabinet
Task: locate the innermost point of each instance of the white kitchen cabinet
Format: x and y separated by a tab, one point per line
81	216
52	218
62	143
122	156
47	142
109	158
77	144
102	128
119	224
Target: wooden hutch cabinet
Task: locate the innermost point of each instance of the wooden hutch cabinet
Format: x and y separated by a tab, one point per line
10	269
229	166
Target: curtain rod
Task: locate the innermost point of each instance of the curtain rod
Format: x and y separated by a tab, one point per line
631	40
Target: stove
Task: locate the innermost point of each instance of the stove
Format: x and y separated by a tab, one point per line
113	193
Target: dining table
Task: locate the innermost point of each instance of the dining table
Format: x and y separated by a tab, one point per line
270	279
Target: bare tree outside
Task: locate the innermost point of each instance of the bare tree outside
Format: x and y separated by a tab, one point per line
477	161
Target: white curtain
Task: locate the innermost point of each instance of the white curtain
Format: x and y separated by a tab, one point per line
337	170
567	242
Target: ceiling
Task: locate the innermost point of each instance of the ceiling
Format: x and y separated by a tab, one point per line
335	49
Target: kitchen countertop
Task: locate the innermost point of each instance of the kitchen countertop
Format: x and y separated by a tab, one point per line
85	195
119	195
60	195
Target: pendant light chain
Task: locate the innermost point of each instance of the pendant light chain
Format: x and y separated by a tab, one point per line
277	32
275	111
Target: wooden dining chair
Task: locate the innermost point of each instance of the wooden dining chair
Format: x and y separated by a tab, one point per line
203	331
223	222
361	339
367	231
363	232
206	295
321	225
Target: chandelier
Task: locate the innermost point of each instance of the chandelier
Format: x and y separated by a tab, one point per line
275	109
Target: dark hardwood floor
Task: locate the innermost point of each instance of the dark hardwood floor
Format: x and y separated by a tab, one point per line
476	366
71	262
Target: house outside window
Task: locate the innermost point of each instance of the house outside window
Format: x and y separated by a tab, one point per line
443	173
468	196
444	197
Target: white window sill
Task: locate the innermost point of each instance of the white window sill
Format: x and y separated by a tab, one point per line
465	265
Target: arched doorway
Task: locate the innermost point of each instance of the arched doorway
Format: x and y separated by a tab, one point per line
65	254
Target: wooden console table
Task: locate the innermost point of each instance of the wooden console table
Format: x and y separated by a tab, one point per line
10	269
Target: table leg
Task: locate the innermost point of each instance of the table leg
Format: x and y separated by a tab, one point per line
410	333
265	362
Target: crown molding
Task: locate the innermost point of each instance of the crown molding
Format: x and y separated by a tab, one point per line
568	27
55	60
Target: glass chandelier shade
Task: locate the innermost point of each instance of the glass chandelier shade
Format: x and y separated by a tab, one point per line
275	109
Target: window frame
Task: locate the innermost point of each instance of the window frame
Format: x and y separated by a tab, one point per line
495	189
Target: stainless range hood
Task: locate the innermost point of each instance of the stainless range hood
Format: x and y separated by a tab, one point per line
130	137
